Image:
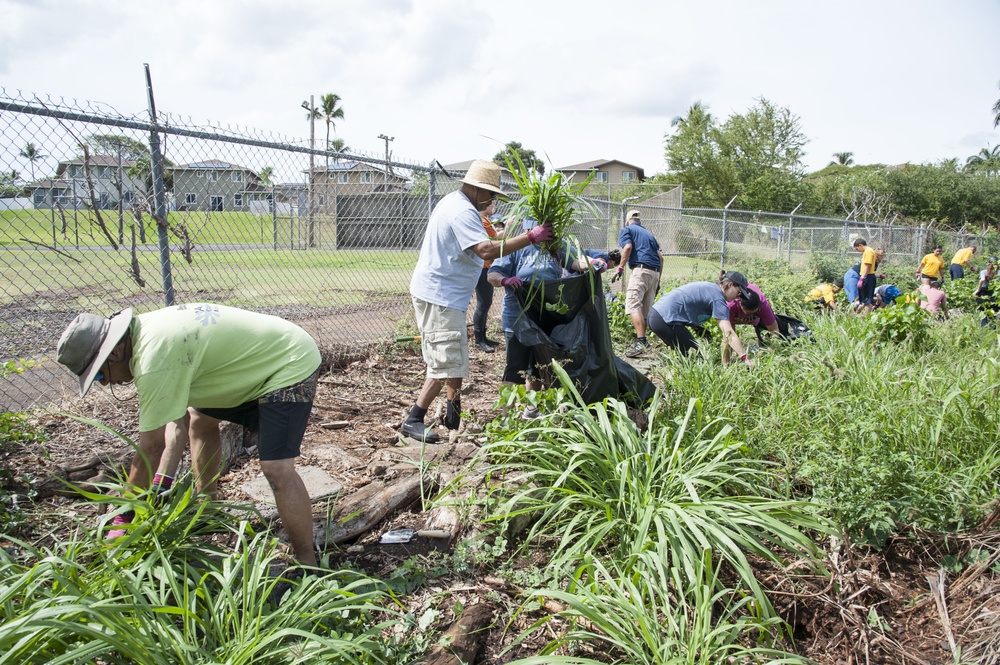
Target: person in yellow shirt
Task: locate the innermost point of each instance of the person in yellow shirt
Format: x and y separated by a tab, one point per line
866	282
961	261
822	297
930	267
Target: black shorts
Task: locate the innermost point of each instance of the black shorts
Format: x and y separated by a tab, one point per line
279	418
866	293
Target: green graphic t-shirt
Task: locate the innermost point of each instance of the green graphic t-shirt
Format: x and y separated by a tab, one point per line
213	356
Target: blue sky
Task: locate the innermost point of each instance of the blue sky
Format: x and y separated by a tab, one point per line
890	81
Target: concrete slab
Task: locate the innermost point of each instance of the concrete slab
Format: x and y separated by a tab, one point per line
318	483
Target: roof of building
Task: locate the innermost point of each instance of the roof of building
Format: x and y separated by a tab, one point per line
210	164
597	163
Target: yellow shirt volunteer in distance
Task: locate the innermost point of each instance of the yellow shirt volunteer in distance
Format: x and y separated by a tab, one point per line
932	264
868	258
821	292
962	256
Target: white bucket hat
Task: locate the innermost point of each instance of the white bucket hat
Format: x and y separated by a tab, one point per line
484	175
88	341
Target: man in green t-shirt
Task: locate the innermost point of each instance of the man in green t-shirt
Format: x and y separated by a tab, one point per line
194	366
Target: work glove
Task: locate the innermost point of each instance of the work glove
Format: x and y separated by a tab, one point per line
599	265
881	275
618	274
513	282
860	282
540	233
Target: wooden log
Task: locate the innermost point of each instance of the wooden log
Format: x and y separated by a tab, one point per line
462	641
358	513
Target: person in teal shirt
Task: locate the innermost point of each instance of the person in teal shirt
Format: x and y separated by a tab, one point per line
195	366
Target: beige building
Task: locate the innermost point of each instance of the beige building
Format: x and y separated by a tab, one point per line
349	178
606	172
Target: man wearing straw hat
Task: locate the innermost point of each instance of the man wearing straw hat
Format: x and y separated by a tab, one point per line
450	264
225	364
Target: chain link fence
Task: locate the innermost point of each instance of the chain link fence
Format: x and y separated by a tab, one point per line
102	210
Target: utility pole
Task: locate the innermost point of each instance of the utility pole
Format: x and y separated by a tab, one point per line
308	106
385	176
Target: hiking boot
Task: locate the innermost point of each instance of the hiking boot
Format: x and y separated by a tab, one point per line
484	346
416	429
453	413
491	342
636	350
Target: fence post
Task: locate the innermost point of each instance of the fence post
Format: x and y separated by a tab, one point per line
431	182
159	197
791	216
725	215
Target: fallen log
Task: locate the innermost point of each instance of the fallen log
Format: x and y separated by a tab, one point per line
462	641
359	512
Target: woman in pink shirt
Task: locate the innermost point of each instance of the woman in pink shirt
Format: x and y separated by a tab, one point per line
752	310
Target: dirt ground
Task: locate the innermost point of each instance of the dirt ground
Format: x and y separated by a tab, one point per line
873	608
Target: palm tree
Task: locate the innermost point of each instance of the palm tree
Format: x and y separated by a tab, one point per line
987	160
698	112
265	176
338	145
330	110
996	114
844	158
32	154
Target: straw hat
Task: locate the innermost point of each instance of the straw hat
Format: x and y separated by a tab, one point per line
88	341
484	175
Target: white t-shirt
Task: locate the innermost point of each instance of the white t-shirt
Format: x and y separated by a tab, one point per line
448	269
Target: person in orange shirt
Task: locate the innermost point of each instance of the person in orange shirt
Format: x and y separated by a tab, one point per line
930	267
484	292
961	261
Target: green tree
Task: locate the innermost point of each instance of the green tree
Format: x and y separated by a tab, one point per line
265	176
987	161
32	154
844	158
528	157
996	114
330	110
110	145
756	155
9	186
338	145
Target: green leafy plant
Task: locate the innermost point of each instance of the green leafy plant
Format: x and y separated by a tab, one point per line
552	199
592	481
904	322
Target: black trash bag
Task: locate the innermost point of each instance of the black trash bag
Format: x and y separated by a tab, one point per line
789	328
567	320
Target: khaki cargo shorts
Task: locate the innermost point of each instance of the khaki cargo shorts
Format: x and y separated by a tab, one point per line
444	340
641	291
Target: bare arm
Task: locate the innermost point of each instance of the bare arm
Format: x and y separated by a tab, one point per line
730	337
494	248
626	252
494	278
160	449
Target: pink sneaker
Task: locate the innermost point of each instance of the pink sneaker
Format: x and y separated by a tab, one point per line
119	520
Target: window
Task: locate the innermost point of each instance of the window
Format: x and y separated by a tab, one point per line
237	200
104	172
199	174
237	176
127	196
342	178
39	197
216	204
628	176
191	199
213	176
601	176
75	171
321	200
366	177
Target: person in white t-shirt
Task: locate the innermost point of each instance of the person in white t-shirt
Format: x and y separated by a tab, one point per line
450	264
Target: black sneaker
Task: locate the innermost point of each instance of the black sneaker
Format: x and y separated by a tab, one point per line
419	431
491	342
484	347
636	350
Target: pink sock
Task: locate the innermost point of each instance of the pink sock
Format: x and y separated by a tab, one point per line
162	481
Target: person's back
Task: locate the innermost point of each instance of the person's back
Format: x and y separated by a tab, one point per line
935	298
693	304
